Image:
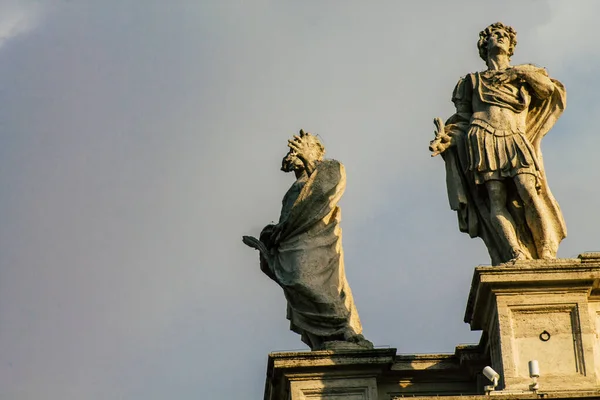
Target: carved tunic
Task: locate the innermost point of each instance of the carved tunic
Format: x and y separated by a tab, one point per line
496	153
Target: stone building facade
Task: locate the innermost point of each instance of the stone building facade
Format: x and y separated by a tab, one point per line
544	310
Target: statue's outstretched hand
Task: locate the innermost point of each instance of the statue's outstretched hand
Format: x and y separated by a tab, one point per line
442	140
255	243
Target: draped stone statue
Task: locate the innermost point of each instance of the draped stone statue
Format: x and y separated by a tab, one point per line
491	148
303	251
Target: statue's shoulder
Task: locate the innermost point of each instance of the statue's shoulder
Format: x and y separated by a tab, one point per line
330	164
464	88
468	78
331	168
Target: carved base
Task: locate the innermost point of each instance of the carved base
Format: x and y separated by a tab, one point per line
337	345
544	310
326	374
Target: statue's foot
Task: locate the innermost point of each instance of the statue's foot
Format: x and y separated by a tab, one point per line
360	341
349	342
518	255
547	254
367	344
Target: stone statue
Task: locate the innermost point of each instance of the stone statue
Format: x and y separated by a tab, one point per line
303	251
491	147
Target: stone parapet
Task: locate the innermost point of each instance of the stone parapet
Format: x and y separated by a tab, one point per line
349	374
371	374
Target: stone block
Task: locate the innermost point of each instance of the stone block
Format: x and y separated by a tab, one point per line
544	310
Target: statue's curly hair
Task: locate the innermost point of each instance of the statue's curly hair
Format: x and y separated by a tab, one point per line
318	145
485	34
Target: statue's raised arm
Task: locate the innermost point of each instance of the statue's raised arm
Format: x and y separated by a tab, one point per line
491	148
303	251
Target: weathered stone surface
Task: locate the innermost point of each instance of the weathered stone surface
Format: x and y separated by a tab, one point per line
491	147
326	374
303	251
370	374
544	310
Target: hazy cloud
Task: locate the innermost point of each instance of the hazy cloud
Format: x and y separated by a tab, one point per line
18	18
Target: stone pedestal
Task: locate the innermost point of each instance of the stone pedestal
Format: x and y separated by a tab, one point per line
547	311
326	374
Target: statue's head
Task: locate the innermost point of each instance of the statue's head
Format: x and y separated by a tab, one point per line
291	161
497	35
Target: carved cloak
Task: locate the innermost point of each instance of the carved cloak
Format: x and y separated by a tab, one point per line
470	201
307	259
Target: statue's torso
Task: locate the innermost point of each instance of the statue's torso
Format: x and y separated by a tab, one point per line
499	117
503	106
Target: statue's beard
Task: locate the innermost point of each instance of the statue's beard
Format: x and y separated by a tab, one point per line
289	162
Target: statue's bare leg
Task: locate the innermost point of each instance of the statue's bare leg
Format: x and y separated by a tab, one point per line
501	218
532	203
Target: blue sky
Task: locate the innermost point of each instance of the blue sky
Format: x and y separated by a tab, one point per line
140	139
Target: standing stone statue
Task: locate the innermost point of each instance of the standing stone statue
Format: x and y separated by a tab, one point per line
491	147
303	252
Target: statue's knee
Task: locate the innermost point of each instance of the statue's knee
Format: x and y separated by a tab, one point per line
527	188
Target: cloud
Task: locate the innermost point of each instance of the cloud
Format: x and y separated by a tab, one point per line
18	18
564	38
